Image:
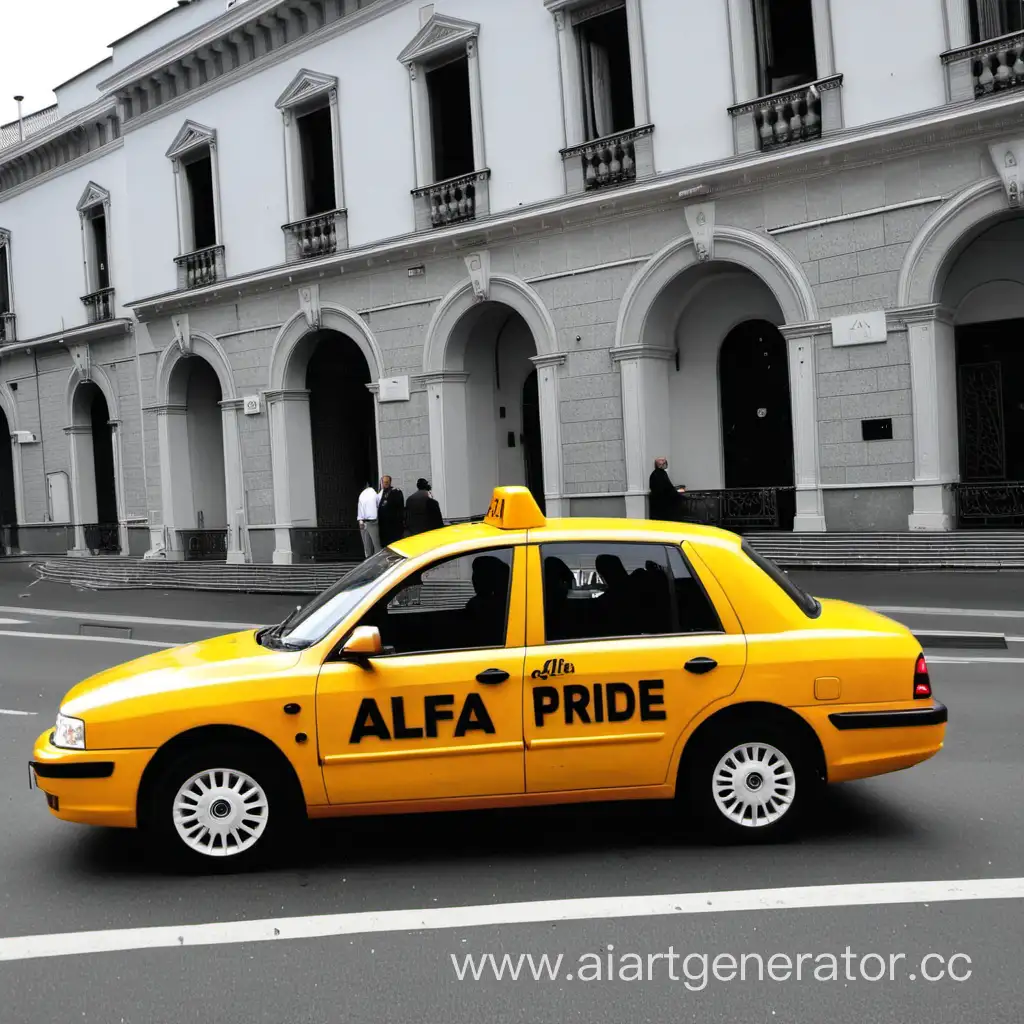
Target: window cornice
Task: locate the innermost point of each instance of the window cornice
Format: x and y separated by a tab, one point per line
191	136
94	195
438	36
305	86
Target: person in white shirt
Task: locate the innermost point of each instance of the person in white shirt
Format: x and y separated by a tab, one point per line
367	516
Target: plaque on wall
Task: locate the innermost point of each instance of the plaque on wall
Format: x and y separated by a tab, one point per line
393	389
859	329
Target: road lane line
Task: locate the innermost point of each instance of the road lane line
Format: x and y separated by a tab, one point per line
944	659
967	613
78	636
11	711
872	894
85	616
12	622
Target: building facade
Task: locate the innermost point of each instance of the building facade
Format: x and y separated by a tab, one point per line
269	250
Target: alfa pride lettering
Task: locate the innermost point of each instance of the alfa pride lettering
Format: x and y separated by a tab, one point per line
438	707
497	509
553	667
604	702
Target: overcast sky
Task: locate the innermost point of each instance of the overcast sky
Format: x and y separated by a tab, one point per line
46	42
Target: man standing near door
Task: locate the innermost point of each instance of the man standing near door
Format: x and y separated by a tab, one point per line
390	512
367	516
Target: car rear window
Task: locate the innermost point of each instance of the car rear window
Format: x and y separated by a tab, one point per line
810	606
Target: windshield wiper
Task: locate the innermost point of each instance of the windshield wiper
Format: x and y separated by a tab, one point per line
274	632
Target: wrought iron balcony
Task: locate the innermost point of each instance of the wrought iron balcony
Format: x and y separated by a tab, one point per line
742	508
102	538
989	505
612	160
319	235
99	305
788	118
202	267
204	545
327	544
452	201
984	69
7	329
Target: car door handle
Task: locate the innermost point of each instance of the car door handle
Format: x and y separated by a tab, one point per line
698	666
492	676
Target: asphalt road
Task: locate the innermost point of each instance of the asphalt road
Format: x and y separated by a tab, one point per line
958	817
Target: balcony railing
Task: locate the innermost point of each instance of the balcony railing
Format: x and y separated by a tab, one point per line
7	329
99	305
327	544
788	118
452	201
202	267
102	538
989	505
611	160
742	508
983	69
316	236
204	545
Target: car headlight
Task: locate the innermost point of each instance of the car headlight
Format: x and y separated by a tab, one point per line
69	732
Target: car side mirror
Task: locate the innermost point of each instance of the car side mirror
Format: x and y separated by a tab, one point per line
364	643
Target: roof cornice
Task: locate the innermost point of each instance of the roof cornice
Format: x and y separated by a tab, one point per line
93	112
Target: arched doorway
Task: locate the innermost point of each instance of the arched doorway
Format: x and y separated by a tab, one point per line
94	481
498	440
8	501
195	450
985	289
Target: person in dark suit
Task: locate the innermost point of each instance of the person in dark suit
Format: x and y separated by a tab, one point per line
390	512
665	502
422	512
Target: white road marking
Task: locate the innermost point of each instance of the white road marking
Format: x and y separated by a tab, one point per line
936	659
12	622
85	616
78	636
28	947
10	711
967	613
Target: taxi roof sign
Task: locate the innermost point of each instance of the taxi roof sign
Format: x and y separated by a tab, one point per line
513	508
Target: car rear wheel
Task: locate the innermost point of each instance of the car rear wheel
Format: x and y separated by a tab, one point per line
750	782
219	807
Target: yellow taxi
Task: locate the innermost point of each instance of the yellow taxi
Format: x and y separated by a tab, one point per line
515	661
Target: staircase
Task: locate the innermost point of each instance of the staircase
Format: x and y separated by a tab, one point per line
978	551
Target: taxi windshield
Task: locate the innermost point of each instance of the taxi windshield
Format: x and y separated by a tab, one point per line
313	621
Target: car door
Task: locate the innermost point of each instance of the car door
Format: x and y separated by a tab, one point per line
626	643
439	714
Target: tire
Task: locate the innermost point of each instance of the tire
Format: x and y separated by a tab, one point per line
219	807
749	781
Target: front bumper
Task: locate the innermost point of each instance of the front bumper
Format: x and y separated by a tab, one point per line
95	787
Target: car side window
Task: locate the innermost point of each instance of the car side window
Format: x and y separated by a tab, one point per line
453	605
598	590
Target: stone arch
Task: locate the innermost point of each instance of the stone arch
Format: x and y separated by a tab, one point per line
98	376
285	375
169	389
937	244
446	391
763	257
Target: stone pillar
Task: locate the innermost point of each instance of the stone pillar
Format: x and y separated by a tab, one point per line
645	417
83	484
803	397
234	489
449	441
930	335
122	510
175	475
291	456
550	431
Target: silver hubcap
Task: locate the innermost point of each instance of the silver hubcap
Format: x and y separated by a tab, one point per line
754	784
220	812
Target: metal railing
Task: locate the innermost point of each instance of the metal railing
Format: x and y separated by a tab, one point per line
990	504
102	538
327	544
610	160
742	508
204	545
99	305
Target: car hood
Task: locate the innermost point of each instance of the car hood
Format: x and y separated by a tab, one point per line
219	660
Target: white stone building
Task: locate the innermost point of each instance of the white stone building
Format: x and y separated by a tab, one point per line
269	249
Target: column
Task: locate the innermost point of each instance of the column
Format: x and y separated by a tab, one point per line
803	397
476	105
551	431
449	441
821	15
83	484
645	417
175	475
234	490
339	186
291	457
122	511
930	335
637	61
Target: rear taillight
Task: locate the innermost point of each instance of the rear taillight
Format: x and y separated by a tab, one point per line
922	681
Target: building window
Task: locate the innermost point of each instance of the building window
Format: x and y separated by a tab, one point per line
94	213
993	18
606	77
193	156
448	138
784	33
312	142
